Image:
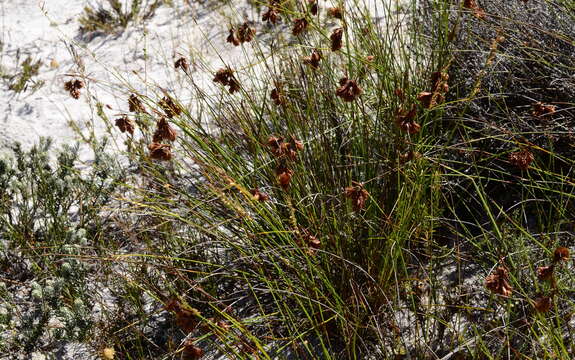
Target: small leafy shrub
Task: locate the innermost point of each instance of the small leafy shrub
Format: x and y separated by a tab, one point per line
50	222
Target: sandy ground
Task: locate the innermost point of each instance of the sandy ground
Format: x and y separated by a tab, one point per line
140	58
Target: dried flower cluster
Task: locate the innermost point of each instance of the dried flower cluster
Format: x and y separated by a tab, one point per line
357	194
125	124
405	119
186	316
307	241
73	87
259	196
521	159
226	78
313	8
336	39
284	149
335	12
170	107
272	15
498	281
245	33
472	5
135	104
182	63
164	131
278	96
313	60
439	87
284	176
162	152
546	273
540	109
299	25
348	89
191	351
543	304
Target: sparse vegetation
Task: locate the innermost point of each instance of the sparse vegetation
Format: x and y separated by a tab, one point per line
356	188
21	79
110	16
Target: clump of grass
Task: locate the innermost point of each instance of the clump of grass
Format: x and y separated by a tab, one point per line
112	15
398	193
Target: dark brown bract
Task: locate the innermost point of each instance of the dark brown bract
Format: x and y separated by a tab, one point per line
498	282
125	124
405	120
170	107
259	196
182	63
348	89
271	15
299	26
246	33
540	109
73	87
232	38
314	59
226	78
521	159
357	194
135	104
335	12
161	152
336	39
164	131
277	96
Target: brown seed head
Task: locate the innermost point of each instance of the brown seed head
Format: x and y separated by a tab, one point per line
299	26
170	107
226	78
336	39
73	87
560	254
426	99
405	119
472	5
521	159
246	33
357	194
259	196
232	38
314	59
125	124
284	176
164	131
162	152
313	7
335	12
540	109
277	96
182	63
135	104
191	351
498	282
348	90
545	273
543	304
271	15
